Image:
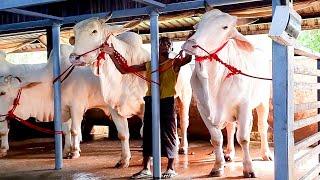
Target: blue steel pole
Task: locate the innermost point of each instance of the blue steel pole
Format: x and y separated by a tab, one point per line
155	92
282	81
57	96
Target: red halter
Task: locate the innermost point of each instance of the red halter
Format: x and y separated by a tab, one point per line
233	70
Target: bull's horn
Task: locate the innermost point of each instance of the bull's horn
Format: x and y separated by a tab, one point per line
246	21
132	24
106	19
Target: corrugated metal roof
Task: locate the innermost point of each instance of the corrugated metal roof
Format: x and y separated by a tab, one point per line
176	26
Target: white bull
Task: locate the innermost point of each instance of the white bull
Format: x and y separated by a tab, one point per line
37	100
124	93
222	99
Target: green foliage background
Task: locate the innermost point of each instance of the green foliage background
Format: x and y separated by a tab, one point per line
310	39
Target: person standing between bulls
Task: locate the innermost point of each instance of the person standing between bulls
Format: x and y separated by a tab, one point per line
168	69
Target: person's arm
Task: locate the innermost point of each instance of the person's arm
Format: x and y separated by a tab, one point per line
123	70
181	62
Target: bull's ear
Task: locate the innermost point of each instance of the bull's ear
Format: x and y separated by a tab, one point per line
72	40
241	41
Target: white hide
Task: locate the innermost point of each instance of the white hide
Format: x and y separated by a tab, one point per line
80	91
124	93
220	99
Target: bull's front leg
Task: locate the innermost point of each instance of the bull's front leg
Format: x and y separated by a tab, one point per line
66	128
123	134
76	116
4	133
243	137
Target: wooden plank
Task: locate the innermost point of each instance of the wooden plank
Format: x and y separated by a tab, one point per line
307	142
303	51
307	156
304	85
305	122
306	106
314	172
306	71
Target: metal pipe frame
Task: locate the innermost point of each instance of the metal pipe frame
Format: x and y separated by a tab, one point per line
173	7
31	13
57	96
7	4
282	81
155	92
152	3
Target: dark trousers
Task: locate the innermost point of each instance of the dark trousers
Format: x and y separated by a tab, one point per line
168	128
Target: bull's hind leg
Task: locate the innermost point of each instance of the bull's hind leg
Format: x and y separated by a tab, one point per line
184	123
123	134
243	137
263	111
230	151
4	133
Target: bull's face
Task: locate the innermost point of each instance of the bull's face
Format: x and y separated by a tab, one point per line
89	35
211	33
8	92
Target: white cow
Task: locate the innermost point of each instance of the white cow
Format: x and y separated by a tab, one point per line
80	92
18	69
124	93
221	99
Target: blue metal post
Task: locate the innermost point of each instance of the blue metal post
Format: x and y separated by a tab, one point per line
57	95
282	75
155	90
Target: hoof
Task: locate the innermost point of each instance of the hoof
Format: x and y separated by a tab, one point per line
3	152
121	164
267	158
183	151
249	175
75	155
67	155
216	173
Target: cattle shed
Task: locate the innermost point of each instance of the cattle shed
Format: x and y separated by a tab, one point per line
41	25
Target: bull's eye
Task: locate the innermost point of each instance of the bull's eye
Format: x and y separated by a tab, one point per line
2	93
225	27
94	31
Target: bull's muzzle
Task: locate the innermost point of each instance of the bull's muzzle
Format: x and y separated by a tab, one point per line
75	60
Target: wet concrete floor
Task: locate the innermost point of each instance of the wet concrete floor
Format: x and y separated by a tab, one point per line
34	159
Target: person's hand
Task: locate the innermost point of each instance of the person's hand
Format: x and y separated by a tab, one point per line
108	49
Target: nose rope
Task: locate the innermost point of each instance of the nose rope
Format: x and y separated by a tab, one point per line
233	70
68	71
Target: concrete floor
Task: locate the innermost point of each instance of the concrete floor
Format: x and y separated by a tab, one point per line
34	159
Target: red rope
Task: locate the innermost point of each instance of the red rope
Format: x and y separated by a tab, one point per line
11	115
68	71
233	70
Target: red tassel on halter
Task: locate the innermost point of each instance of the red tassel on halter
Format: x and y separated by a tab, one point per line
101	56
